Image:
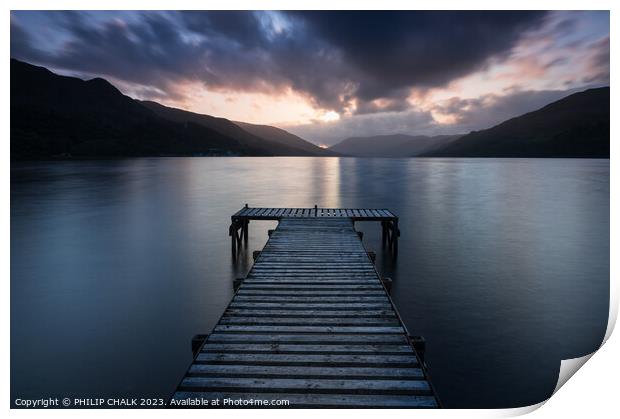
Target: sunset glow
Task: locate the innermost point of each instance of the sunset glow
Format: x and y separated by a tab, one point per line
330	116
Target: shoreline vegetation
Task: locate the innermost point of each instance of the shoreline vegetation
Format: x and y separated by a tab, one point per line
63	118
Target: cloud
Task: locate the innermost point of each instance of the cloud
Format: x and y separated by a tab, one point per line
335	59
21	44
598	64
491	109
463	114
570	49
391	51
147	52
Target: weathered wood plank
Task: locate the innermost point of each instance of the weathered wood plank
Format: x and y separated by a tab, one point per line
310	281
309	306
306	321
301	286
275	313
306	348
262	371
322	339
309	299
315	275
310	329
311	385
247	291
309	359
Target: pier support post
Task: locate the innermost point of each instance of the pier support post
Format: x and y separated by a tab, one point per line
197	342
390	233
419	344
387	283
233	239
238	232
395	235
237	283
245	231
384	233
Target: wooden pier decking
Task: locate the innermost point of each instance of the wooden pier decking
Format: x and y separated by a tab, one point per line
238	230
312	323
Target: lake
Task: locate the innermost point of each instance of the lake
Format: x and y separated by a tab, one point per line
503	264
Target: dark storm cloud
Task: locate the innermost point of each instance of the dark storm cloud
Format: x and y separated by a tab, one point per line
148	52
243	27
227	50
332	57
21	42
396	50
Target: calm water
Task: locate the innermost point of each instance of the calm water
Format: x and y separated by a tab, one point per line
115	265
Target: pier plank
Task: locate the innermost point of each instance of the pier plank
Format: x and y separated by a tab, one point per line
261	371
310	385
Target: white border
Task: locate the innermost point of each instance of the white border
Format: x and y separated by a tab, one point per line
592	393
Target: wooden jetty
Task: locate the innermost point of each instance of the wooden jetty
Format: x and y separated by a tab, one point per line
238	230
312	323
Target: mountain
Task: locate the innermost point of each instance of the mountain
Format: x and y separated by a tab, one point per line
59	116
264	142
397	145
281	136
575	126
54	115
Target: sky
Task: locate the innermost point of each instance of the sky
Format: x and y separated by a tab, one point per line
329	75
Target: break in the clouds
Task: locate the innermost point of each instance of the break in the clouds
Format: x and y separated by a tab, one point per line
328	75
